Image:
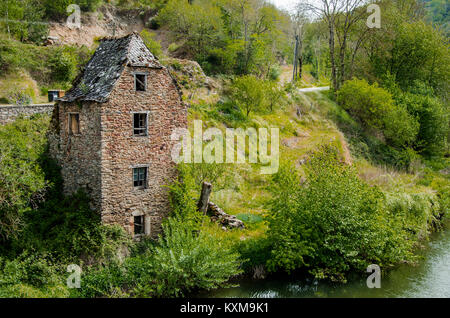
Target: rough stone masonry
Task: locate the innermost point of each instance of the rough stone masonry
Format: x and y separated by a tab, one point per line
9	113
111	133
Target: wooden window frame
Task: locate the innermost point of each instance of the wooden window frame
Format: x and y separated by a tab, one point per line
146	224
141	225
136	80
69	126
144	184
145	129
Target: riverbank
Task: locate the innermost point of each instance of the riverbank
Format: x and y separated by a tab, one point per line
429	278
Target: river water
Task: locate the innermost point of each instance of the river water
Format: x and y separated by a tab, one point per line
429	278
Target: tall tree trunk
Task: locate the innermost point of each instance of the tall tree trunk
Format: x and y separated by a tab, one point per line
300	66
342	61
332	59
299	57
7	20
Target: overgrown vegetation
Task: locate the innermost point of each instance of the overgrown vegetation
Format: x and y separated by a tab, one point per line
336	223
332	208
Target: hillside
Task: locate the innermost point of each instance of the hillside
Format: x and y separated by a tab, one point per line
362	175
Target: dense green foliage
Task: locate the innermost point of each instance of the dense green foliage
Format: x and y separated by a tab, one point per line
22	180
433	118
376	109
415	118
23	19
43	231
49	65
226	36
322	217
251	94
180	262
335	223
438	13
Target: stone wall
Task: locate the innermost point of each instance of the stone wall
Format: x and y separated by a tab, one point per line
10	113
78	155
102	157
121	151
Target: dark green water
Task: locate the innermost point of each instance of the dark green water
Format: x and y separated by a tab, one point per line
430	278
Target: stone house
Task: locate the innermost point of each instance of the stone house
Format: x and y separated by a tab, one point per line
111	134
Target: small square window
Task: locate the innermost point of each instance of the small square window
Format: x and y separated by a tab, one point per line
140	82
140	124
74	124
140	177
139	227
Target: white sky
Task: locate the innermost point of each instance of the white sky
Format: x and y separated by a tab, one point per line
288	4
284	4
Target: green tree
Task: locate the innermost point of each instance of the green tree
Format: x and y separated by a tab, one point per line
433	120
274	95
63	65
375	108
247	92
23	19
153	45
22	181
333	223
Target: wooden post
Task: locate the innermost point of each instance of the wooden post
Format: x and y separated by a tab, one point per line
204	197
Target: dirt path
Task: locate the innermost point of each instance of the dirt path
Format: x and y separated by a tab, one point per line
314	89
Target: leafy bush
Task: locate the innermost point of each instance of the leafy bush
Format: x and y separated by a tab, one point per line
433	119
30	276
22	182
63	65
69	229
376	110
184	196
334	223
181	261
184	261
274	73
153	45
247	92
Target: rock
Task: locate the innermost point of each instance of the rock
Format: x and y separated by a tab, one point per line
291	142
51	40
302	134
227	221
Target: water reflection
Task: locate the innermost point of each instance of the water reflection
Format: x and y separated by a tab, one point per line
430	278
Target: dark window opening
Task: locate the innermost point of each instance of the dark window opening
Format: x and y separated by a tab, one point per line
139	225
140	124
74	124
140	82
140	177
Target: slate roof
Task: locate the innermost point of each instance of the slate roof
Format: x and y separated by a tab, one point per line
98	78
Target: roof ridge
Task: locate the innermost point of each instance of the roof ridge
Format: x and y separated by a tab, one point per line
106	65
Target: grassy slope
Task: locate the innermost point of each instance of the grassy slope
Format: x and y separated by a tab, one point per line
248	194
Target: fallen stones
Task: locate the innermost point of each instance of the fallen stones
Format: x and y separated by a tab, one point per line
227	221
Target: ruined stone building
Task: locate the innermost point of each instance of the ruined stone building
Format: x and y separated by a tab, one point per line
111	134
